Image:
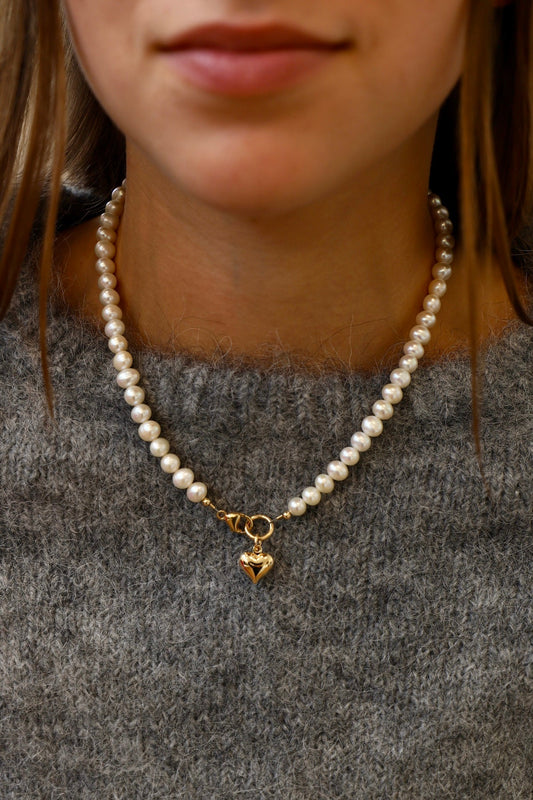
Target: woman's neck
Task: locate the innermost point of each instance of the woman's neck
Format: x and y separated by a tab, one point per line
336	284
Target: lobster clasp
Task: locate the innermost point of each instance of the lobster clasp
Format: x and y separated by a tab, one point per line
237	521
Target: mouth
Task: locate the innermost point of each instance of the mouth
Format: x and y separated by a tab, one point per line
240	61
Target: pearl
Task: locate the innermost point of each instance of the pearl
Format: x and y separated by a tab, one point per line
311	496
183	478
382	409
111	312
434	201
148	431
400	377
337	470
117	343
426	318
372	426
445	240
109	297
361	441
159	447
115	327
349	456
109	220
105	265
410	363
107	234
114	208
297	506
118	195
105	249
443	226
413	348
122	360
324	483
441	271
444	255
431	303
128	377
441	213
196	492
170	463
134	395
437	287
420	334
141	413
107	281
392	393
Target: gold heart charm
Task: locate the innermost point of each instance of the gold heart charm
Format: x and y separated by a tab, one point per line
256	565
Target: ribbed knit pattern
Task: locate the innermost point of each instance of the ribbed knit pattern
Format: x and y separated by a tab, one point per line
389	653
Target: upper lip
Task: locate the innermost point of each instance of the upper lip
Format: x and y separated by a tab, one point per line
222	36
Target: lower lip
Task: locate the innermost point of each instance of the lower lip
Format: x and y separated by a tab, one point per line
244	74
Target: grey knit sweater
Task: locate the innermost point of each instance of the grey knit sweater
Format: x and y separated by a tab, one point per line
389	653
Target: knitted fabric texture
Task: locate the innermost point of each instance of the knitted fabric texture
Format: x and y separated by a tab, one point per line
389	653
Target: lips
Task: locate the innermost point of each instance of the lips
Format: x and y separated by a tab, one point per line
245	61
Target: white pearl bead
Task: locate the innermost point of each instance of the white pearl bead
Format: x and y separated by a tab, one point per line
337	470
324	483
441	272
392	393
134	395
159	447
349	456
107	281
410	363
434	201
431	303
105	265
183	478
426	318
148	431
412	348
400	377
105	249
437	287
297	506
111	312
128	377
141	413
170	463
372	426
441	213
113	208
115	327
445	240
382	409
122	360
361	441
117	343
118	195
109	297
196	492
420	334
443	226
444	256
106	234
311	496
109	220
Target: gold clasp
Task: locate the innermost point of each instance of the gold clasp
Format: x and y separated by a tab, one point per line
236	520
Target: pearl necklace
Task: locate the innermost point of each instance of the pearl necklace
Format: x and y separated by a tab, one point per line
256	563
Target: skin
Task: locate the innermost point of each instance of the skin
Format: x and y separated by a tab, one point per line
294	222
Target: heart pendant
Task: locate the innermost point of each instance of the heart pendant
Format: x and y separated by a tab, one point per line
256	564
